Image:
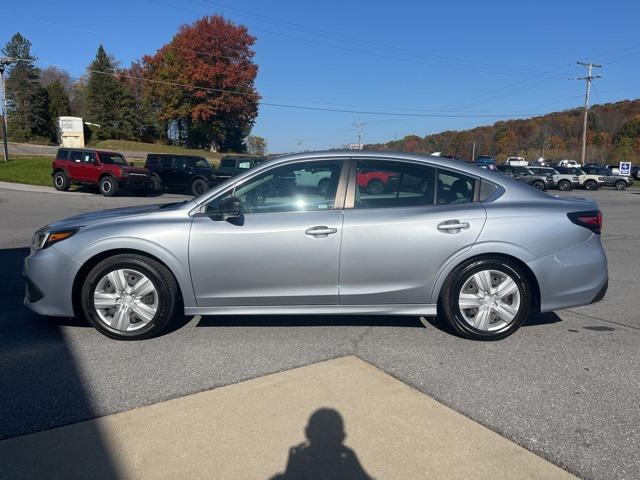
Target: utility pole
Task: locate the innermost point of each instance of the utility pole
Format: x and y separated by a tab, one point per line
588	79
360	126
5	131
473	151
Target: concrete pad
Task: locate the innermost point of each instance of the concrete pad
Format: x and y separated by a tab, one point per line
254	429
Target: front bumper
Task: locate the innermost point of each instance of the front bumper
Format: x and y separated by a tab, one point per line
49	276
140	183
572	277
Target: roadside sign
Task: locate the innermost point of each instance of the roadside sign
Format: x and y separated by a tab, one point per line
625	168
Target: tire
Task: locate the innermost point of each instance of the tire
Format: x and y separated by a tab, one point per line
323	186
61	181
156	183
165	297
621	185
539	185
564	185
199	186
108	186
375	187
495	327
590	185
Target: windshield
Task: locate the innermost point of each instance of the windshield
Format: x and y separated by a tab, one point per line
112	158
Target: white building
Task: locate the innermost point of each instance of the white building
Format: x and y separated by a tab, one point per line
70	132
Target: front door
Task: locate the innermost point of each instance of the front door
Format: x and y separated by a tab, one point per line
395	239
283	250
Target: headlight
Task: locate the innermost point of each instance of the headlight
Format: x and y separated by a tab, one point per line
44	238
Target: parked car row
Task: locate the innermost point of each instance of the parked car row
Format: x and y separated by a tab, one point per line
589	177
110	171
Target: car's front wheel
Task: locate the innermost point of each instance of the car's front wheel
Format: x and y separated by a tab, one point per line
487	299
108	186
375	187
621	185
129	297
199	186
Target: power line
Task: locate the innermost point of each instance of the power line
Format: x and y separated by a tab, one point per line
376	54
588	79
299	107
332	35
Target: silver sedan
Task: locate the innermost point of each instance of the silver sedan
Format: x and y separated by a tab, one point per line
328	233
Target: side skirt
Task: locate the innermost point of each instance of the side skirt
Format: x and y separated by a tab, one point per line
393	309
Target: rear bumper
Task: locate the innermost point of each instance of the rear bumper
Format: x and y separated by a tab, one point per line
572	277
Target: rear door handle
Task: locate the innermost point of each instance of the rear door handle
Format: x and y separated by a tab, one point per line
320	231
452	226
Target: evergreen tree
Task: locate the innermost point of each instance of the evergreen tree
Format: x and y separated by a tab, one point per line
109	102
27	100
58	105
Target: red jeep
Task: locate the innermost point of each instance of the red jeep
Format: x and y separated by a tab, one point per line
108	170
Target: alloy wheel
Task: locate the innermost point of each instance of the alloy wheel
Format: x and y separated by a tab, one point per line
489	300
125	300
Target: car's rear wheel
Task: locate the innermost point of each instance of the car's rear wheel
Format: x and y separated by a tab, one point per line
590	185
564	185
375	187
108	186
199	186
61	181
487	299
621	185
538	185
129	297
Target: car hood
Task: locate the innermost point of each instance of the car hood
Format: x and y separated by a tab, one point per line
90	218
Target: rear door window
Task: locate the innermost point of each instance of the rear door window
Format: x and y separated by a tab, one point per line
62	154
76	156
454	188
166	162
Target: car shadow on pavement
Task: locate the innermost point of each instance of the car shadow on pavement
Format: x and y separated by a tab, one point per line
535	319
41	387
323	455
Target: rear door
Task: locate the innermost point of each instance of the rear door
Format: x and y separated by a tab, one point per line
74	165
395	242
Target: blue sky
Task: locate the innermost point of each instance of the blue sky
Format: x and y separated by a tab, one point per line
469	60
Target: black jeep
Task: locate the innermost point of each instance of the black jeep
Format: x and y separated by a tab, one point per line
232	165
180	172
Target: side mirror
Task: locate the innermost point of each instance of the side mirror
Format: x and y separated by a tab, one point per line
229	207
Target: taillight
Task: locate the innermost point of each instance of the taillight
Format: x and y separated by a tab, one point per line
591	220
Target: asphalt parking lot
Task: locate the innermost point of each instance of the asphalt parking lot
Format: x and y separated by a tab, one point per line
566	386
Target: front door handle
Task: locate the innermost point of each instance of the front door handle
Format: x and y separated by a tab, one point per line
320	231
452	226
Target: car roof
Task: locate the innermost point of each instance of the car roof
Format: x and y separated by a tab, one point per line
515	187
172	155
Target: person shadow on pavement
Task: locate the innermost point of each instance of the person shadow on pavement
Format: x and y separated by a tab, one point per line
323	456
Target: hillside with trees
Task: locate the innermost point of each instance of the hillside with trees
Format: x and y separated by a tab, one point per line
196	91
613	135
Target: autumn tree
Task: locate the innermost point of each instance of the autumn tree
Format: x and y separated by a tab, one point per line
201	84
27	102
